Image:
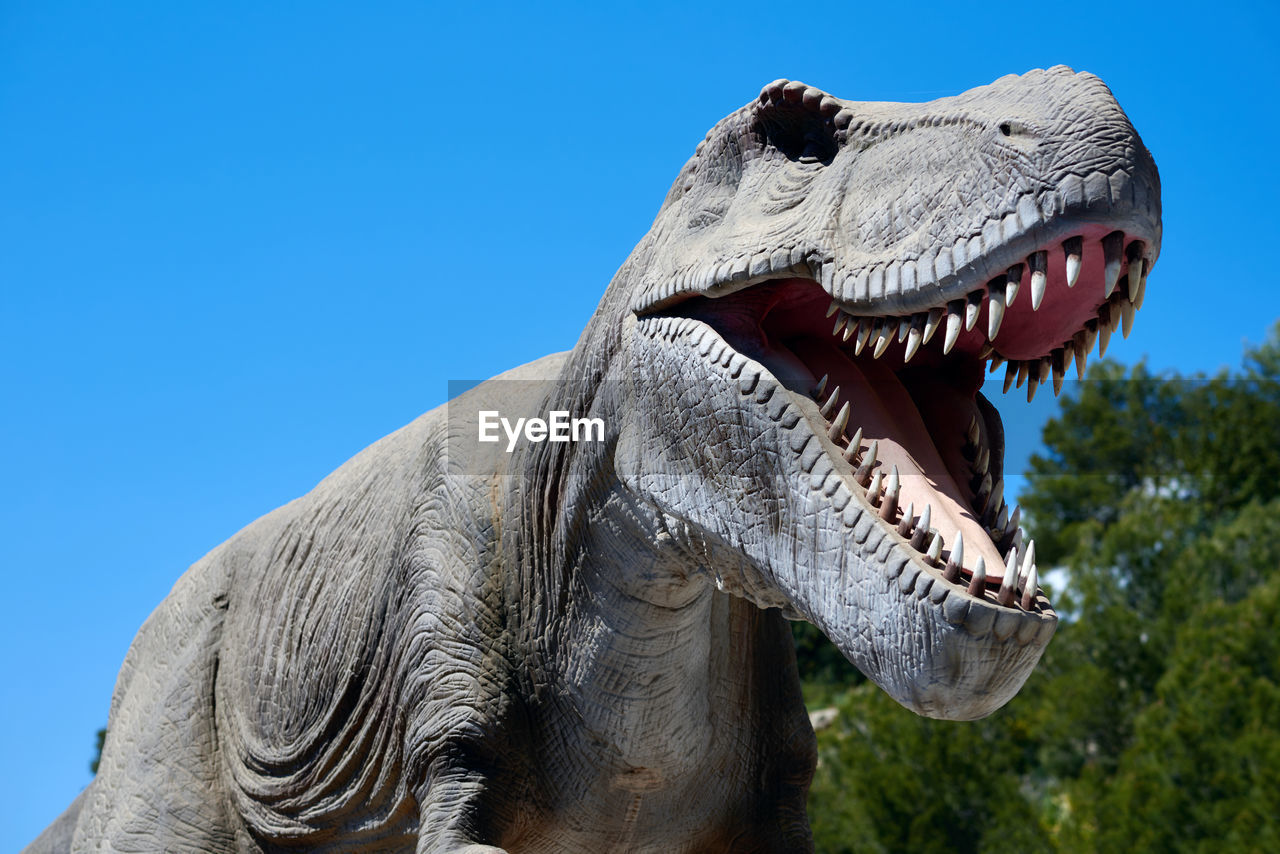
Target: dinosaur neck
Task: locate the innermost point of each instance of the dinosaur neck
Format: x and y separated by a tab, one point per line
639	643
605	596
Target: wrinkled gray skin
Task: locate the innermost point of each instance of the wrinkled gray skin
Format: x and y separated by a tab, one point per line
580	647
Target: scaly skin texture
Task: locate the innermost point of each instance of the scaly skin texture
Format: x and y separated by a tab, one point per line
582	646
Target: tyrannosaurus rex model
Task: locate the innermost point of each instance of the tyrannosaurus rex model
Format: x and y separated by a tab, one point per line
553	639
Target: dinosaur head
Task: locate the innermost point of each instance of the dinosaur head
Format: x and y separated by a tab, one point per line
815	308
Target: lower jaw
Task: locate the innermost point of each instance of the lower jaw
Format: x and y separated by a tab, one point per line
892	414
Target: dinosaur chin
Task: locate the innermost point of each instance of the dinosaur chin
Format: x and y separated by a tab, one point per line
895	403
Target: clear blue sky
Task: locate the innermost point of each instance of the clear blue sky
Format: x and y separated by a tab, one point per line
241	241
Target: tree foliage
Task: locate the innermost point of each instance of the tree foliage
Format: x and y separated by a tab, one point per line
1153	721
97	751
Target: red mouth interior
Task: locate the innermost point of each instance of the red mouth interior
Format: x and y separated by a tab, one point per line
919	414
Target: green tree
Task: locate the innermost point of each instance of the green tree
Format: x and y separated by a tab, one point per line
1200	773
1150	724
97	751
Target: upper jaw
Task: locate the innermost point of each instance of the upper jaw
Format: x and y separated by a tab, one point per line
918	278
915	279
1037	304
1039	313
887	256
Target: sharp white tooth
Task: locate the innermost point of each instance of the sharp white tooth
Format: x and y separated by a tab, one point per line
908	516
836	431
885	339
1090	334
984	490
973	305
952	572
863	474
978	583
833	308
890	505
1010	580
851	329
1003	519
995	313
996	361
996	500
1116	300
1081	353
864	333
856	441
985	350
873	491
820	387
841	322
1039	263
1013	281
1135	278
1028	560
931	323
1126	317
980	464
922	529
1029	589
1135	268
1104	329
974	431
904	326
935	549
830	406
1142	293
1024	370
1014	519
913	342
1113	255
1073	247
954	320
1010	374
1068	355
1034	378
1059	369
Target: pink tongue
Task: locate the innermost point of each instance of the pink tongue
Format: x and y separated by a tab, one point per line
881	406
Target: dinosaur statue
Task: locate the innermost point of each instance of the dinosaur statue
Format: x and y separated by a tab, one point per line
473	639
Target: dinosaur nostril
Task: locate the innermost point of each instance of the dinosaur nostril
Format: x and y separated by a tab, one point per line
1006	128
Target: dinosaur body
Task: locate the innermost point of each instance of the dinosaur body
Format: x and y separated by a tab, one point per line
582	645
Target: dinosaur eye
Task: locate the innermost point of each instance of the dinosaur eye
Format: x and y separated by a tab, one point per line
816	150
1014	128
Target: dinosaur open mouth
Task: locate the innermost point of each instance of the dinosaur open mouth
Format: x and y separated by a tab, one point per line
897	397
